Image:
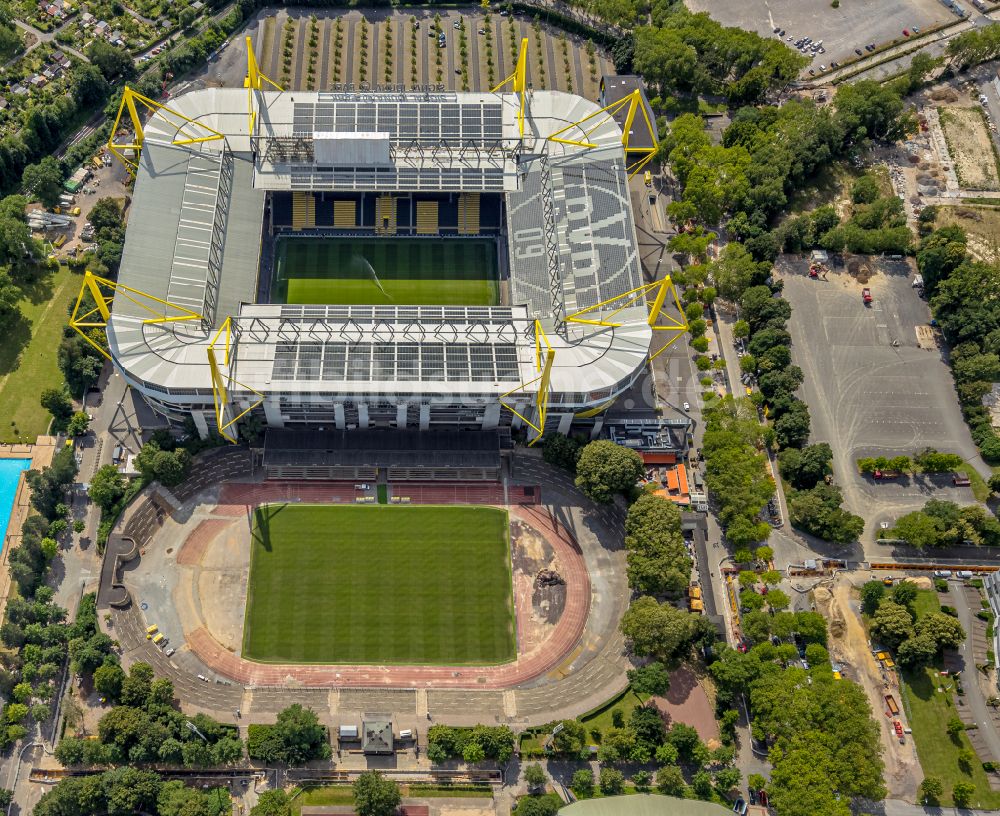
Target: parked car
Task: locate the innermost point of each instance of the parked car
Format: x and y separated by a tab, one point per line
942	573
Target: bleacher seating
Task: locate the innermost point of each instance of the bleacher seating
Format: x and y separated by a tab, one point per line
345	214
303	211
468	214
385	215
427	218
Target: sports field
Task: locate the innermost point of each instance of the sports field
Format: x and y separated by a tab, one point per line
378	271
379	584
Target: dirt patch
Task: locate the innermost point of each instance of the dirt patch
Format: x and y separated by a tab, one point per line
859	270
981	225
688	702
197	543
540	605
970	147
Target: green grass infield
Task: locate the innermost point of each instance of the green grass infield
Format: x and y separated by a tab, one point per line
422	585
386	271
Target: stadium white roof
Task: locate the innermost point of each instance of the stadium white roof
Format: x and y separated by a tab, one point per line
194	239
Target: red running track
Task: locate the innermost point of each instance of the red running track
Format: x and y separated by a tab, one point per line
545	657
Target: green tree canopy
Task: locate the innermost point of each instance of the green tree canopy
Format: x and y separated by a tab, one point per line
605	469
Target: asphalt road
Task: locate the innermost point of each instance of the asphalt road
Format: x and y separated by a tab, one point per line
868	397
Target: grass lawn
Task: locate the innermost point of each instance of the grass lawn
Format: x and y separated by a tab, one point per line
344	794
601	717
386	271
380	584
980	489
325	795
28	361
929	710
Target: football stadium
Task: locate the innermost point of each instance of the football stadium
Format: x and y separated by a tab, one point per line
390	261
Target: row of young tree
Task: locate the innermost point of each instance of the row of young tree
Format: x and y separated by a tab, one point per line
965	298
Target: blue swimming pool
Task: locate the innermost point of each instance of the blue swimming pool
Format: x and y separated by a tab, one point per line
10	475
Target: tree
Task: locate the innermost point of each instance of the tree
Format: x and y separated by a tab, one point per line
106	214
955	727
136	687
931	790
736	271
612	781
670	781
57	402
649	680
657	559
944	630
111	61
272	803
90	88
872	593
605	469
301	735
660	630
108	680
962	793
534	776
187	17
561	450
78	424
107	487
916	651
792	427
547	805
571	738
582	783
170	468
917	529
44	181
6	797
374	795
892	624
807	467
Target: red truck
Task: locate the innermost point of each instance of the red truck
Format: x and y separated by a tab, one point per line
886	474
960	480
866	296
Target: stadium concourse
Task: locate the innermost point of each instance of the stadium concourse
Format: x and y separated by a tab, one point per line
180	559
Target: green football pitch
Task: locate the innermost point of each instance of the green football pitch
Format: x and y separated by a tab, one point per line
379	584
381	271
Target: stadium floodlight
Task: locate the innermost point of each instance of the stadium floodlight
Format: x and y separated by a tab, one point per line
634	103
662	288
519	83
188	132
220	388
104	291
542	393
254	81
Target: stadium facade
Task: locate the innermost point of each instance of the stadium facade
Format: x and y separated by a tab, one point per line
192	323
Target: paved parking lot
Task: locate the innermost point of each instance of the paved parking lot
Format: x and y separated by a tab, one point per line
868	397
841	29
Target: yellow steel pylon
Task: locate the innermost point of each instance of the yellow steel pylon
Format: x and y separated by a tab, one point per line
542	395
254	81
662	289
220	390
104	291
634	102
181	122
520	83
